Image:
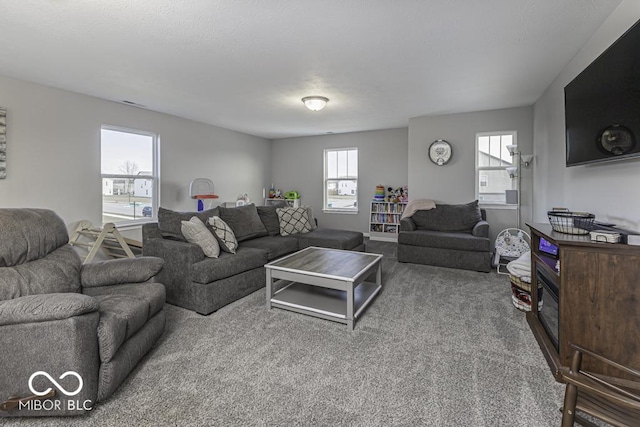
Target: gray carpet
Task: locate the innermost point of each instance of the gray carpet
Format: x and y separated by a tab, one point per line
438	347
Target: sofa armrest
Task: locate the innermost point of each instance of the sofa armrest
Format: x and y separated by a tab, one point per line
188	253
150	230
45	307
119	271
481	229
407	224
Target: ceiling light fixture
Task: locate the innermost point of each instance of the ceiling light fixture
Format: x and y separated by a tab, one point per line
315	103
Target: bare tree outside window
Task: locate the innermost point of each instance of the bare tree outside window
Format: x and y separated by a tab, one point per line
129	168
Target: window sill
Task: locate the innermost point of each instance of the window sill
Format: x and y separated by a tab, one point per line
499	206
338	211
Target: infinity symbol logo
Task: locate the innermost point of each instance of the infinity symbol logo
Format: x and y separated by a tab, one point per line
58	386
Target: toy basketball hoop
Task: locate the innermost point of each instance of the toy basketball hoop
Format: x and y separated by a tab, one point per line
201	189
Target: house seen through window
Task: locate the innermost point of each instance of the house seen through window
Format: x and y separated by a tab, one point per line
492	157
341	180
129	168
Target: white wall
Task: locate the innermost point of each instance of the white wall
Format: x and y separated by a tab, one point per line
609	190
297	164
454	182
53	152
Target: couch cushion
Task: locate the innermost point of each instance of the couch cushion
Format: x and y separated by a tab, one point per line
269	217
276	246
29	234
227	265
120	271
45	307
448	217
58	272
124	310
196	232
330	238
445	240
224	234
244	221
293	221
170	222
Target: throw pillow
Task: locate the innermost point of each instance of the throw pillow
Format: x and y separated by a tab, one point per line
244	221
448	217
170	222
312	220
269	217
293	221
196	232
224	234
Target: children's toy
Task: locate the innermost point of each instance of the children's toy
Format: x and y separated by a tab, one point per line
243	199
395	195
107	238
291	195
201	189
278	194
405	194
379	193
510	244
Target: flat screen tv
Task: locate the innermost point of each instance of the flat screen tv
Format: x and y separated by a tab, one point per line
602	105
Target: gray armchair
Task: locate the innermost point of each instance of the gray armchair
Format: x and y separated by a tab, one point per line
455	236
69	333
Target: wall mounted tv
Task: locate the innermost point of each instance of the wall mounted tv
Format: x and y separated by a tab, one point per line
602	105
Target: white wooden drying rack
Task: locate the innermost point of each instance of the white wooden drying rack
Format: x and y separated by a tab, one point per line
108	238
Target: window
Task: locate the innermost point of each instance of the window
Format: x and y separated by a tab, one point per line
341	180
492	157
129	167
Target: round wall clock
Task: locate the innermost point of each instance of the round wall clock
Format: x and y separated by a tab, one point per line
440	152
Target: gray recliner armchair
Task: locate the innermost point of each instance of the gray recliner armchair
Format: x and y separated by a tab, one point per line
69	333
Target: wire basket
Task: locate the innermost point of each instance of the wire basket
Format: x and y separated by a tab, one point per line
571	222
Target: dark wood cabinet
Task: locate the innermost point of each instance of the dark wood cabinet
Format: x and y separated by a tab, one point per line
598	304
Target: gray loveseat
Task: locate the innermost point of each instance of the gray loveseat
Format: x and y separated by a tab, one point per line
455	236
56	315
203	284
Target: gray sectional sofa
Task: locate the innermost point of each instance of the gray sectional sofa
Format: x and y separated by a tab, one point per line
57	315
455	236
204	284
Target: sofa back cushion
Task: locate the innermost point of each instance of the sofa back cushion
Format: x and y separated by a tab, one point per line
170	222
29	234
57	272
448	217
269	217
244	221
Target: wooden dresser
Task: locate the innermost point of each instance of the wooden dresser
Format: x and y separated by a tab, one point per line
598	303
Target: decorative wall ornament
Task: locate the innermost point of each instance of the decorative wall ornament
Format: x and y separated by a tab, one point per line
440	152
3	143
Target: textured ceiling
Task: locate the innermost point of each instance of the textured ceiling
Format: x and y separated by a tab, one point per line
245	64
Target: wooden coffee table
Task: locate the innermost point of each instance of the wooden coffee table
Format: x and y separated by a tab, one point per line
325	283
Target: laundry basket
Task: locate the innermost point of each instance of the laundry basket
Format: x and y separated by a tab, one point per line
521	294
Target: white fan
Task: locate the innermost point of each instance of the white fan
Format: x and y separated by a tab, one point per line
511	243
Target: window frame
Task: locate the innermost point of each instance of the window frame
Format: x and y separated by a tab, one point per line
154	177
479	169
326	180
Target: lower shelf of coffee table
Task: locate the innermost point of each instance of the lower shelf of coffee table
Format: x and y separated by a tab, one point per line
323	302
